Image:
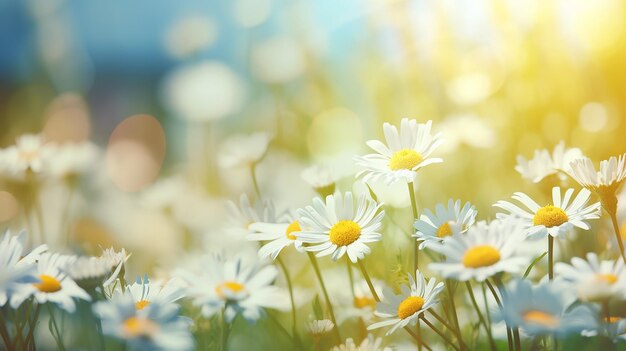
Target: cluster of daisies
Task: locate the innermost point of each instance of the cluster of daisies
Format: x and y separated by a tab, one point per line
492	283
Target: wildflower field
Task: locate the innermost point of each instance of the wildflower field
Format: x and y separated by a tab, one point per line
358	175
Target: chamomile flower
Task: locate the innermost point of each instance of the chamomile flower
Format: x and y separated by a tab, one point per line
71	159
156	328
92	272
553	219
405	152
236	286
444	222
407	307
358	303
370	343
543	164
53	284
242	216
614	327
244	150
607	180
486	249
335	228
592	279
544	310
277	235
321	178
318	327
15	270
29	153
146	293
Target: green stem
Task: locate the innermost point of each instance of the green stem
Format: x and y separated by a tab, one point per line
368	280
550	257
492	344
254	180
441	334
294	327
618	235
32	323
417	338
225	330
350	277
329	305
455	318
58	338
5	334
414	208
509	335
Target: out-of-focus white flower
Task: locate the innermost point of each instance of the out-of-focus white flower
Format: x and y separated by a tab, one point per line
30	153
606	181
237	286
485	250
251	13
594	280
277	60
157	327
407	307
189	35
556	219
406	152
243	150
358	303
53	284
319	327
71	159
204	91
370	343
466	129
543	164
337	227
242	216
321	178
444	222
544	310
92	272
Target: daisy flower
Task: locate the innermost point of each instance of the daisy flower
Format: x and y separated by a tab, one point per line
70	159
146	293
544	310
336	228
156	328
486	249
244	150
543	164
370	343
436	226
15	270
29	153
242	216
318	327
52	286
278	236
235	286
553	219
606	181
405	153
321	178
407	307
614	327
592	279
358	303
92	272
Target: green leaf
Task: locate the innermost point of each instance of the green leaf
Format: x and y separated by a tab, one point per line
372	194
533	263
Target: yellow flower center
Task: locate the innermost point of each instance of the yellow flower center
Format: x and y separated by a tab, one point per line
344	233
293	227
444	230
607	278
230	286
136	327
481	256
364	302
550	216
614	319
141	304
409	306
540	318
48	284
405	159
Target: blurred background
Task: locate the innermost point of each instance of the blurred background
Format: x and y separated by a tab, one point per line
180	79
